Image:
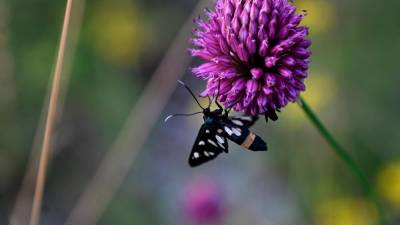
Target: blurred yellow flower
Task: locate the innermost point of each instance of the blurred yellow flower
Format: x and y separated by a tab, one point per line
389	183
320	14
345	211
118	32
321	89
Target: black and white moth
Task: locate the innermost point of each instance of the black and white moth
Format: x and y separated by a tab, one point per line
218	127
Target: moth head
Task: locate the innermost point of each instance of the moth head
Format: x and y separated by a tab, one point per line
218	112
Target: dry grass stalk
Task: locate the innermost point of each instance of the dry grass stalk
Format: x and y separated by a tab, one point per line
50	121
23	202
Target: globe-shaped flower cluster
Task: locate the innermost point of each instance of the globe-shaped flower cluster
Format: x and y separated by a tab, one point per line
255	54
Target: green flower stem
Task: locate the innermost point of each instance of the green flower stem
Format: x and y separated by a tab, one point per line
346	158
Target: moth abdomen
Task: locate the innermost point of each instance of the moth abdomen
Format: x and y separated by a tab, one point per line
254	143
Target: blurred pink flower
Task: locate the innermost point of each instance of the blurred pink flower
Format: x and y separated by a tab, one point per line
203	203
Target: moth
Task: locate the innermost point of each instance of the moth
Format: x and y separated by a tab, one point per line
271	114
217	129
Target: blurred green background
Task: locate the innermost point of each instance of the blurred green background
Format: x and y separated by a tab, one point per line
354	86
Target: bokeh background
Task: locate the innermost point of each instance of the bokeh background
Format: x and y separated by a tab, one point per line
354	86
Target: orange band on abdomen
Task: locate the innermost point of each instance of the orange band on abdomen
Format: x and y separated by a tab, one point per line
249	140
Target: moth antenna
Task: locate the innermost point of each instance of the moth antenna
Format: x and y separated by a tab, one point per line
175	115
209	101
219	89
216	98
229	108
191	92
167	118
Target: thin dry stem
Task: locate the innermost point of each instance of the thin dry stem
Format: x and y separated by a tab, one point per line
141	120
50	120
23	202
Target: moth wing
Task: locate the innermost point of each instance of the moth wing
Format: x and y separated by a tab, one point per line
243	121
207	146
243	137
271	115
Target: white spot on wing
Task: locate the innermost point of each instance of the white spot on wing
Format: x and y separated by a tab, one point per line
206	153
219	131
237	122
219	139
248	118
196	155
212	142
202	143
220	145
228	131
211	153
237	131
207	131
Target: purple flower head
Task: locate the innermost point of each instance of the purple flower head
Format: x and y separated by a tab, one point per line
255	52
203	203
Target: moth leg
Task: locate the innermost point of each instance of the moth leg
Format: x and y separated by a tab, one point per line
219	106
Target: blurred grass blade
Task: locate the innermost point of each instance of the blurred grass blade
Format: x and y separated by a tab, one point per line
344	155
141	120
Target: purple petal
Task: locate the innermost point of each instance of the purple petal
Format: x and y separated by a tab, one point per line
256	73
270	79
251	86
284	71
270	61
